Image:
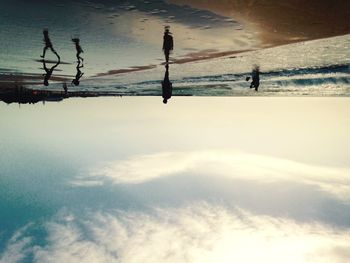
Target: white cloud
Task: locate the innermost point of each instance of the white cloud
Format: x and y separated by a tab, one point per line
139	169
81	182
66	244
17	247
196	233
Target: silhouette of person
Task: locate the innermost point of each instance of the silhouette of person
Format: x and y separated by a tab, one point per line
48	44
65	88
49	72
168	43
76	80
76	41
167	86
255	78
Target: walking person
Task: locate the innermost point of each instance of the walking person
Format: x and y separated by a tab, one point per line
49	72
168	43
48	44
255	78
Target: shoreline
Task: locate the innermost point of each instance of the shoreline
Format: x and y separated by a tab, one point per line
11	80
22	95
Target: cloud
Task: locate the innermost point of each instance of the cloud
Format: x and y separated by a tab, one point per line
197	233
234	165
17	247
67	244
81	182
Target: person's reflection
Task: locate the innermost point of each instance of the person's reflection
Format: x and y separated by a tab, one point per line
76	41
49	72
167	86
76	80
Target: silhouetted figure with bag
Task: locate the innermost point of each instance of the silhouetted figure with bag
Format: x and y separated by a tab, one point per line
65	88
48	44
255	78
76	41
168	44
167	86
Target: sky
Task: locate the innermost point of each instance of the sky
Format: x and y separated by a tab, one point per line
200	180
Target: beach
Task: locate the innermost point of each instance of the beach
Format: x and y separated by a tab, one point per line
228	37
282	22
174	131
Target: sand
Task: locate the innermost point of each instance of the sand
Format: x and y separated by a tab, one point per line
281	22
276	23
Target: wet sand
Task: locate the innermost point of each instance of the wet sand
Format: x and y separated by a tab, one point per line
13	80
205	55
20	79
275	23
122	71
10	83
190	57
281	22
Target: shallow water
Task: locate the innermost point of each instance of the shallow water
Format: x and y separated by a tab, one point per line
199	180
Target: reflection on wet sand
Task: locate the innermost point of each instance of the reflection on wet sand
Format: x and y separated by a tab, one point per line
22	95
49	72
76	80
167	86
79	49
127	70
